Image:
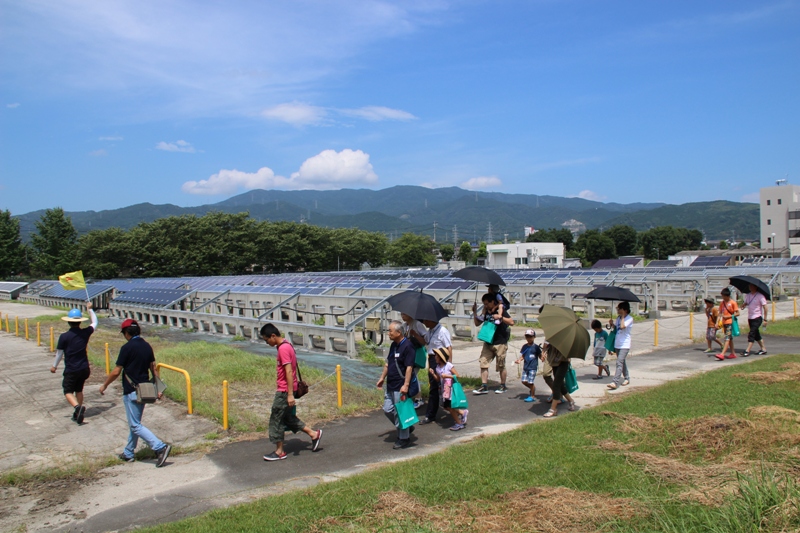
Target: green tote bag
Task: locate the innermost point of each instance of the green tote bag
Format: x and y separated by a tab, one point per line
406	413
458	400
486	334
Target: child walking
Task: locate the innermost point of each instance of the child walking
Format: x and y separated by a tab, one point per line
599	350
711	327
444	375
530	354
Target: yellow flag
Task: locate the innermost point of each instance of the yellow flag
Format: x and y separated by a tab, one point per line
72	281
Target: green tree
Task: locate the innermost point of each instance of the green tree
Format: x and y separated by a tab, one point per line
12	251
561	235
465	252
412	250
664	241
104	254
596	246
53	244
723	245
483	252
447	251
626	240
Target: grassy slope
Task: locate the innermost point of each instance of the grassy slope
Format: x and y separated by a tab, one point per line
560	452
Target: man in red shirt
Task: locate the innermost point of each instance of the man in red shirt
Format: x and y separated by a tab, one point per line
283	414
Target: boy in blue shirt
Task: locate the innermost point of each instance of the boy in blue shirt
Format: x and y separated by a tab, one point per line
599	349
530	353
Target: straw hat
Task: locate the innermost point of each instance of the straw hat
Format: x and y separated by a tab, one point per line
441	352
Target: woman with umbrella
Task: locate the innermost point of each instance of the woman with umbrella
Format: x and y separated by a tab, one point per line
560	365
756	305
622	344
566	339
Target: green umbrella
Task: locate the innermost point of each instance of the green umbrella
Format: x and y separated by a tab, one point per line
563	329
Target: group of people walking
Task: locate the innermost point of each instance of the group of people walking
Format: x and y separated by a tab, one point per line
724	317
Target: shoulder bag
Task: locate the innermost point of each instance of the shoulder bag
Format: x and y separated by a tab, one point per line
302	386
145	392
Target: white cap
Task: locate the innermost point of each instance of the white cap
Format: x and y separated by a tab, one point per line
530	333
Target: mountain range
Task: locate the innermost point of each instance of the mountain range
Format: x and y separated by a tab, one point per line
472	215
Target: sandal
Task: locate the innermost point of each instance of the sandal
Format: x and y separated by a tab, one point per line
571	406
597	377
626	382
612	386
550	414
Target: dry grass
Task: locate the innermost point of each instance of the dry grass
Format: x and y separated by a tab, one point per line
789	372
538	509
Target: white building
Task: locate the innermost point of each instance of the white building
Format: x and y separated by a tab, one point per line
780	217
525	255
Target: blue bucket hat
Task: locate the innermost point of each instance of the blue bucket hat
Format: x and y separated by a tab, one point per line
74	315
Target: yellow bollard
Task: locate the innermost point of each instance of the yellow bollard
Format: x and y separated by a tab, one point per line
8	329
691	326
225	405
773	310
655	333
16	326
795	307
108	361
339	385
27	337
38	334
52	340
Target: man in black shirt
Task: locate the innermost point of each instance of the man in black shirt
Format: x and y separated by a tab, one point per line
397	374
135	362
72	347
495	350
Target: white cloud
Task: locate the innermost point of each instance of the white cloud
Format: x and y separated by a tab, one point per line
752	197
377	113
327	170
177	146
98	153
229	181
296	113
481	183
335	168
591	195
13	106
111	138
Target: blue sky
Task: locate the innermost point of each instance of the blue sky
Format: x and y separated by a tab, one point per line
107	104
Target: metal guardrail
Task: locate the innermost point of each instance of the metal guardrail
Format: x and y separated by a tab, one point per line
188	381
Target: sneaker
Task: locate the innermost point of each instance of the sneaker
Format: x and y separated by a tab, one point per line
79	416
275	457
483	389
501	389
730	356
745	354
123	457
75	413
315	442
418	403
762	352
710	350
456	427
530	399
401	443
464	416
162	455
720	357
425	421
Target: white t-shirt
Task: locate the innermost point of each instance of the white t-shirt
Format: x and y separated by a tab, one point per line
438	337
418	326
623	339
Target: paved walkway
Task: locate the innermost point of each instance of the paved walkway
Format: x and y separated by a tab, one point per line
194	483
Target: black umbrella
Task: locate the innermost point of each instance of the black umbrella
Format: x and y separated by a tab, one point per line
743	284
481	274
418	305
610	292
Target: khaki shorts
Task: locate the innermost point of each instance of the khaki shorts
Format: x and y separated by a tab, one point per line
490	352
547	370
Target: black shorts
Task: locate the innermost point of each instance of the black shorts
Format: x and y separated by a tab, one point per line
73	381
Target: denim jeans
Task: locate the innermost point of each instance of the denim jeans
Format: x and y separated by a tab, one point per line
389	399
134	410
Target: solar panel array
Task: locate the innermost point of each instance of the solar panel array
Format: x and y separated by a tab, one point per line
11	286
94	289
663	263
711	261
157	297
618	263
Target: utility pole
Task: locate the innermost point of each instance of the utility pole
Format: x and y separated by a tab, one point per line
455	236
489	239
505	238
434	231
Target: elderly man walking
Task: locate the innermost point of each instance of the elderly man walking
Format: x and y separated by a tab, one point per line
397	374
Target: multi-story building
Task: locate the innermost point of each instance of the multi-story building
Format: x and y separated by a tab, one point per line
780	217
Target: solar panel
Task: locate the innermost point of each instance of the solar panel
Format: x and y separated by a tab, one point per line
159	297
11	286
94	289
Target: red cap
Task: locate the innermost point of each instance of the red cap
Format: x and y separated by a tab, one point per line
128	322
